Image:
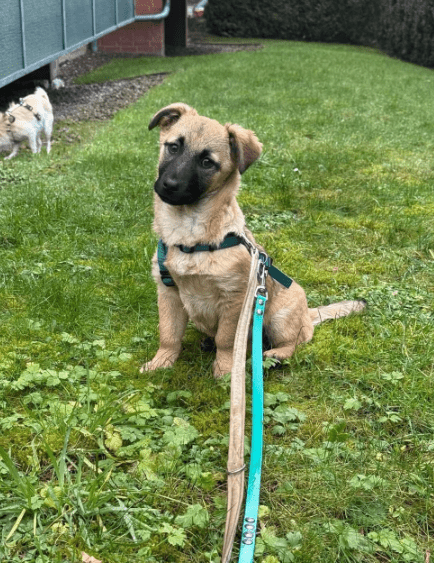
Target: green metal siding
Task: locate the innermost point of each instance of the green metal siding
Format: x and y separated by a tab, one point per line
43	28
78	20
124	10
34	33
105	14
10	34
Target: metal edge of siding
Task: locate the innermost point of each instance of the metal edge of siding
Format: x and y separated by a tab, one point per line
23	34
93	18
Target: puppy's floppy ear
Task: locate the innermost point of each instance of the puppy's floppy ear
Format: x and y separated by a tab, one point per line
169	115
244	145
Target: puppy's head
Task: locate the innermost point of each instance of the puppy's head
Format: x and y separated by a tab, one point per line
198	155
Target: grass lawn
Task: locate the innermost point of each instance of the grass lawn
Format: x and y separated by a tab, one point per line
125	467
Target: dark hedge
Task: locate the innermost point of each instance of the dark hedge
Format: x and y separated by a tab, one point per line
402	28
406	30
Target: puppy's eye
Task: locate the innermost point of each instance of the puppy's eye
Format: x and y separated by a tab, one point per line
207	163
173	148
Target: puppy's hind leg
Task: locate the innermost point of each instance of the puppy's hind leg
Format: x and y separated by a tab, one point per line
14	152
35	142
287	322
284	345
48	129
173	322
39	142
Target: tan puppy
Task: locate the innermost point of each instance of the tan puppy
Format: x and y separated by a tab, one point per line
195	203
26	121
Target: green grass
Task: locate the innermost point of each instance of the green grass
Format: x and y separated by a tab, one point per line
131	468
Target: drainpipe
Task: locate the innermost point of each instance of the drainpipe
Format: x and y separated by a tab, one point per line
152	17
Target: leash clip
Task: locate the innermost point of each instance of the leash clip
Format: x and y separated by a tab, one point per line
263	265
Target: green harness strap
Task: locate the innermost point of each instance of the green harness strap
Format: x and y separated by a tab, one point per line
166	278
230	240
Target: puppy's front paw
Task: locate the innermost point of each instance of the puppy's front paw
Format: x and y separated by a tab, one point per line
153	365
218	373
279	354
162	359
147	367
221	367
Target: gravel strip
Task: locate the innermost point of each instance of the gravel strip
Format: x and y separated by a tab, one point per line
93	102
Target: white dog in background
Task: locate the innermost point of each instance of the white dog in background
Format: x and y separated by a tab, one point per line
26	121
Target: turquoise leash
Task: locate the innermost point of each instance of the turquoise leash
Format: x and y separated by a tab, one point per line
250	522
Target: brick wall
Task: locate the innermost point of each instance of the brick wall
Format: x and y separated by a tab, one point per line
145	38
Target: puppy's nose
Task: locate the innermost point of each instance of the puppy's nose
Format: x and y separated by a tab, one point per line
170	184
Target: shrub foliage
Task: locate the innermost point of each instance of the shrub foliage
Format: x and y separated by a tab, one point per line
406	30
402	28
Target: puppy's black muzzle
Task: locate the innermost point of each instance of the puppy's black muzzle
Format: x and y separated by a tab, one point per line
179	181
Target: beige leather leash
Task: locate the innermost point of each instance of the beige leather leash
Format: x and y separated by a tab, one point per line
236	465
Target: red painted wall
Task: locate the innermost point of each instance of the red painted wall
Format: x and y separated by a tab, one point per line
145	38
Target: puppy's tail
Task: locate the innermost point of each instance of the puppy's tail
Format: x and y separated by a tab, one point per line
335	310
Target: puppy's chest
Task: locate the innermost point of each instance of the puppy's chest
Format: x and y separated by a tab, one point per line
208	281
207	269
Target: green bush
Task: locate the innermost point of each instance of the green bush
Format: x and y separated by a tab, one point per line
406	30
309	20
402	28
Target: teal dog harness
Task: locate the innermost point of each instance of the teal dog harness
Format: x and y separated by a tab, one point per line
230	240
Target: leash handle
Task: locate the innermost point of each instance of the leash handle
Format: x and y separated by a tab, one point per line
250	521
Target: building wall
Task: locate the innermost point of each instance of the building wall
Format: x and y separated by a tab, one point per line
34	33
145	38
